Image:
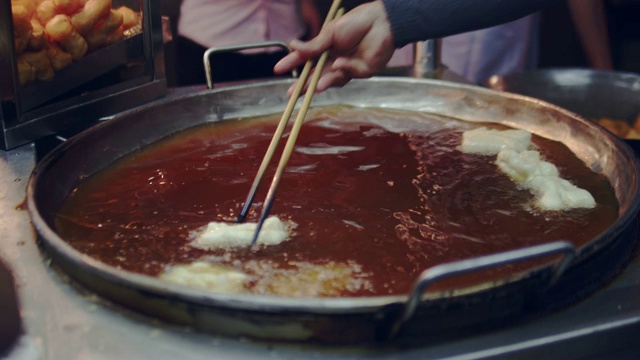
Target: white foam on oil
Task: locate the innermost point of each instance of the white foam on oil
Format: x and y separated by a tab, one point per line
324	149
543	180
394	121
204	275
367	167
354	224
296	279
219	234
526	168
490	141
301	169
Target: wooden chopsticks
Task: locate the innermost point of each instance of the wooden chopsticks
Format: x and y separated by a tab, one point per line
334	12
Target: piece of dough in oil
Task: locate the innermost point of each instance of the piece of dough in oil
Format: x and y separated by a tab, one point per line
226	235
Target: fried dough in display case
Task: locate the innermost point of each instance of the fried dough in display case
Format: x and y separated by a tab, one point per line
64	64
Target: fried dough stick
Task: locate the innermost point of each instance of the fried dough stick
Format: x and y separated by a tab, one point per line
129	17
68	7
21	27
45	11
37	40
34	66
92	12
101	33
59	58
62	31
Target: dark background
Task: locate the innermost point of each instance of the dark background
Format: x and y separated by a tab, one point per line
560	46
559	43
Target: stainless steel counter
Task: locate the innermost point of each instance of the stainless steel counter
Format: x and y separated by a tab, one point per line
61	321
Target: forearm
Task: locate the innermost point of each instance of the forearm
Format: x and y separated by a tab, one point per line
415	20
589	19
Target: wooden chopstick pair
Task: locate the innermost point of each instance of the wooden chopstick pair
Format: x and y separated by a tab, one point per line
334	12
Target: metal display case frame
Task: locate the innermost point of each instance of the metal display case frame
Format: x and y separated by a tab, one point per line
105	82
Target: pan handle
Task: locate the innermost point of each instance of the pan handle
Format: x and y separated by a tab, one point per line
436	273
206	59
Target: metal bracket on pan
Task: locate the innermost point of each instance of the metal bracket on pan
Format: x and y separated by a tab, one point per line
439	272
206	59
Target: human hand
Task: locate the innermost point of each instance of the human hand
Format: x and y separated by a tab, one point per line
360	43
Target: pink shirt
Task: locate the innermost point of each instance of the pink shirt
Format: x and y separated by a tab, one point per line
498	50
230	22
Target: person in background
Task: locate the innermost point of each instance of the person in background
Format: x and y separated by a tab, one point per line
205	23
514	46
498	50
363	40
590	21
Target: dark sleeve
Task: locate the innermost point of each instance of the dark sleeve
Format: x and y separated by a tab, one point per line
417	20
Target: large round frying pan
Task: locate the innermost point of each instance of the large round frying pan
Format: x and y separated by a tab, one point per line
560	275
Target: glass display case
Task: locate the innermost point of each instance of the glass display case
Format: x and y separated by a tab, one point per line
66	63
